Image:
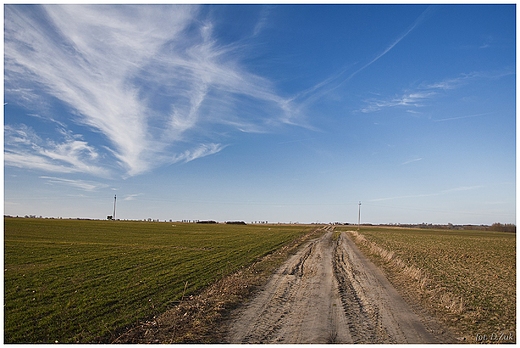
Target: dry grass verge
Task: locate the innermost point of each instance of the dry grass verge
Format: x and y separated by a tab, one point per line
466	279
199	318
419	278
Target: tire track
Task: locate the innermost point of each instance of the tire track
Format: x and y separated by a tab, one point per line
362	323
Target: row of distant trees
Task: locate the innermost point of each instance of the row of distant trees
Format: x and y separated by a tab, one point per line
497	226
227	222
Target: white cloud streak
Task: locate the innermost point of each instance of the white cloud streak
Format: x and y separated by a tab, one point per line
202	151
412	160
414	99
419	20
145	77
27	150
462	117
335	81
463	79
423	94
84	185
262	21
132	197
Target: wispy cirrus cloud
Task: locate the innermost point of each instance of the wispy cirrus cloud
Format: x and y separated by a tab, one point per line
465	78
407	100
145	77
201	151
412	160
426	92
25	149
336	80
462	117
262	21
132	197
85	185
418	21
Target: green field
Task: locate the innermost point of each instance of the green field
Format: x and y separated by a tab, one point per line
476	268
84	281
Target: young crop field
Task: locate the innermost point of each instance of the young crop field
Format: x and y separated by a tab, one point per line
84	281
468	278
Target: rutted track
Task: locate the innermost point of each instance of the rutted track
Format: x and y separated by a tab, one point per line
328	293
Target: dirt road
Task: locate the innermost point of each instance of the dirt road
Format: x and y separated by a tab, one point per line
329	293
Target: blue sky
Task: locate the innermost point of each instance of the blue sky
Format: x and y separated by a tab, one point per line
261	112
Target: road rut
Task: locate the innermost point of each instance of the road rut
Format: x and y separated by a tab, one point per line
328	293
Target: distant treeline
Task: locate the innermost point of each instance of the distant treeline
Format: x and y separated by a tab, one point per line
495	227
227	222
503	227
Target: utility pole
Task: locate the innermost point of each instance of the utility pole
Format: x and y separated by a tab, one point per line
359	215
115	197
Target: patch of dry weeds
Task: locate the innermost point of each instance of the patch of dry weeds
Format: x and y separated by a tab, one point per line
468	280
